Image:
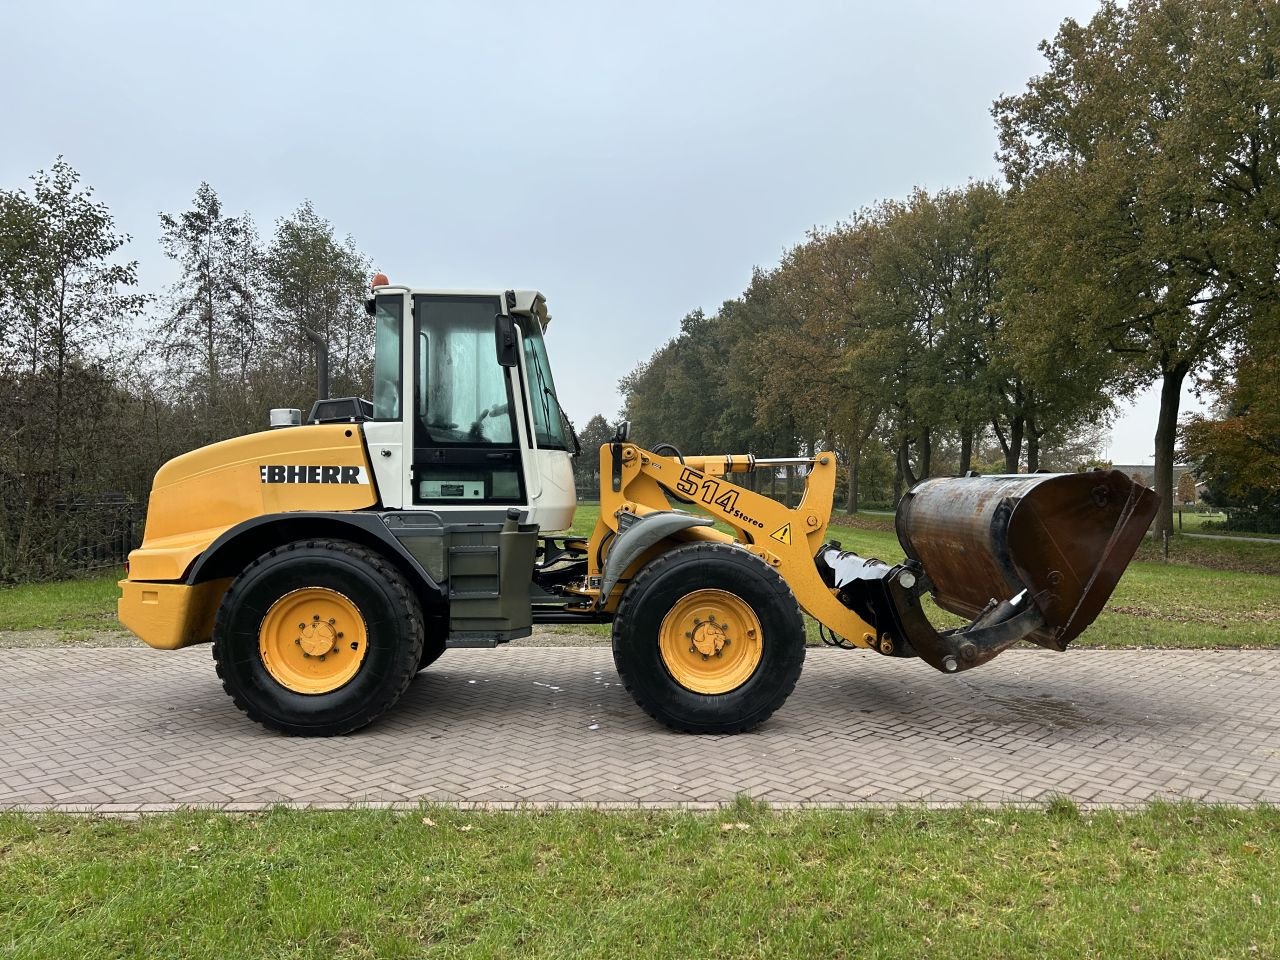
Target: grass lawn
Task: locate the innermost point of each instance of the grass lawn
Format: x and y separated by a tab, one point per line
1194	523
84	604
1167	881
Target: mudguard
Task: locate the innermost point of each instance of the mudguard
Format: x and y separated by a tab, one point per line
638	535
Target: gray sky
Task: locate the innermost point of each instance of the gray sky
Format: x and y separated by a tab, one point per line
632	161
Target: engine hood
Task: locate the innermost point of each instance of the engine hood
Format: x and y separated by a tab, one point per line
198	495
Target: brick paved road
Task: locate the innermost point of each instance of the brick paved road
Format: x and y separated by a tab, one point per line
131	729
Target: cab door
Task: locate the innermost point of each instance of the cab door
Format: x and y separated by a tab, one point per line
466	446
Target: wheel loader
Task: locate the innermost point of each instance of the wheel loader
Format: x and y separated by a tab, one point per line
328	561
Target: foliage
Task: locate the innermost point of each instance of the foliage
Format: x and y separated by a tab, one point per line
882	339
93	409
65	306
1187	488
1238	449
319	283
233	338
209	334
1144	167
586	467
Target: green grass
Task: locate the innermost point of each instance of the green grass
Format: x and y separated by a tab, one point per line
87	603
1165	882
1235	555
1195	523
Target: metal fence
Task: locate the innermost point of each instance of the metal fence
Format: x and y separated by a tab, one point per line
43	540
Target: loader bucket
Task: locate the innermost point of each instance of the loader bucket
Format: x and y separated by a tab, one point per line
1063	538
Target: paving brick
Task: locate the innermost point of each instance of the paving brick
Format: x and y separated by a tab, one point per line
153	730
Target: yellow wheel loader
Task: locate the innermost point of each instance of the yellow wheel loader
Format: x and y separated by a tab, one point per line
329	561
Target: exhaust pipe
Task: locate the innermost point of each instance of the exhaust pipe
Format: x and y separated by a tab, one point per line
322	363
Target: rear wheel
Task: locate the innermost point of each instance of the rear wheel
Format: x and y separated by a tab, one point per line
708	639
318	638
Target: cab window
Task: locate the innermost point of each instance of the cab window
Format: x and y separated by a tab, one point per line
548	426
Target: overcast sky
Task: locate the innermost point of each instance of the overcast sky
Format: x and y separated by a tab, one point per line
633	162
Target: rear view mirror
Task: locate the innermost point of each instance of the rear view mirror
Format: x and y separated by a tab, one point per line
508	347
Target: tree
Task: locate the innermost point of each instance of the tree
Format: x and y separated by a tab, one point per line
214	309
1187	487
586	468
319	284
1143	166
1237	449
64	307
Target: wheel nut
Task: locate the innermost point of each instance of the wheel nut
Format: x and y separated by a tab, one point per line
322	658
332	621
693	649
705	657
302	626
298	640
307	655
355	646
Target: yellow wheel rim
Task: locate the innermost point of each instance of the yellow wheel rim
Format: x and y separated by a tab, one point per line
312	640
710	641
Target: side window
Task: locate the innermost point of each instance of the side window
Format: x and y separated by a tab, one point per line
386	358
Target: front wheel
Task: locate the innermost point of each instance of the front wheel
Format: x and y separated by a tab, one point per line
708	639
318	638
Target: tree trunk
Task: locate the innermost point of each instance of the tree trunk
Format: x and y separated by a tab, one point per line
1012	446
926	453
851	499
1166	436
966	450
1033	449
905	474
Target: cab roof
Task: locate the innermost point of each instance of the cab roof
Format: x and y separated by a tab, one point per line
528	302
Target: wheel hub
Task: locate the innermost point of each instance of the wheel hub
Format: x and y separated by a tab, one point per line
312	640
710	641
709	637
318	637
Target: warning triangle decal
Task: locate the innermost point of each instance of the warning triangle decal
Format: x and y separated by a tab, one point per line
783	534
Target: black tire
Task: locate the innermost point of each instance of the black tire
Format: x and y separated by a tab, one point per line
652	595
393	622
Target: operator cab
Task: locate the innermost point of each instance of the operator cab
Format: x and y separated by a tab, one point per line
465	413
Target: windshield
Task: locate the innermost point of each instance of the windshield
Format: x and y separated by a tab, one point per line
386	358
548	428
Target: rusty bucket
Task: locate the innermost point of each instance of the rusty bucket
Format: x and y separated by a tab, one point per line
1064	538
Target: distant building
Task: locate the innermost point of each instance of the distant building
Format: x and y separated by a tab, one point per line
1144	473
